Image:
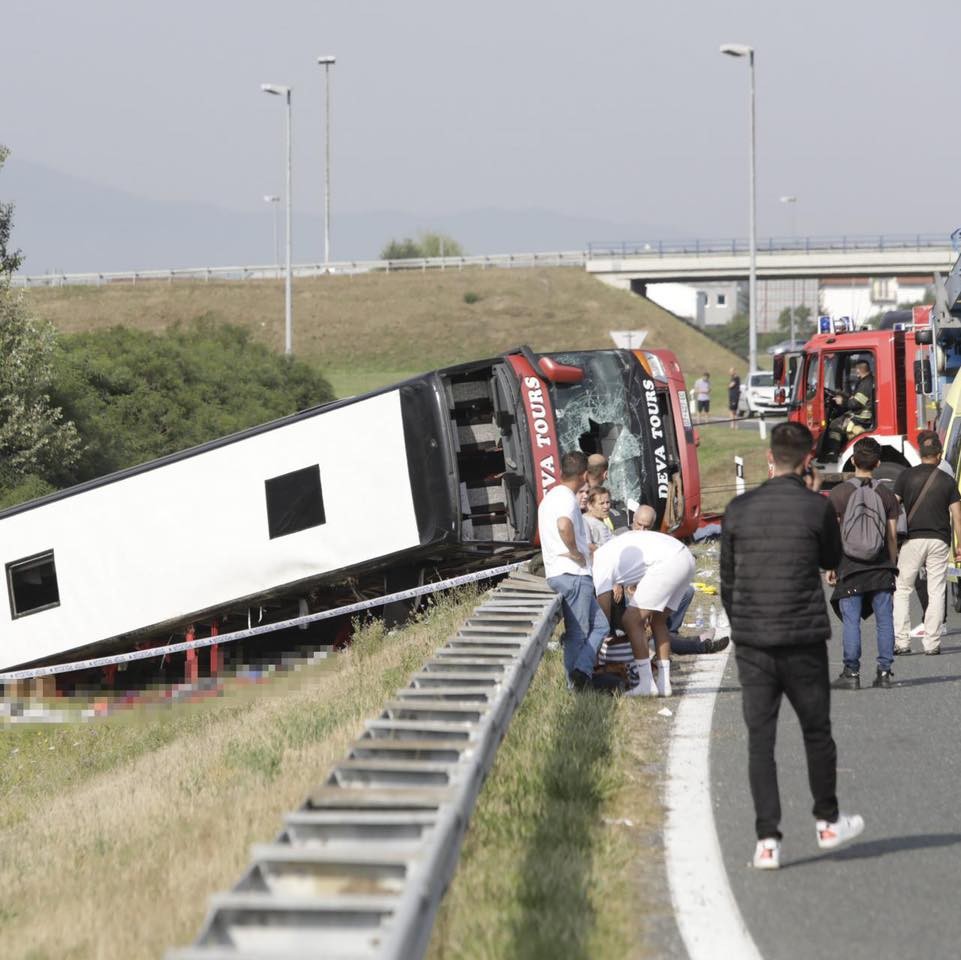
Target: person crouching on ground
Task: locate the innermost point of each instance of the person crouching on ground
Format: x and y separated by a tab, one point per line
661	567
567	566
773	542
865	583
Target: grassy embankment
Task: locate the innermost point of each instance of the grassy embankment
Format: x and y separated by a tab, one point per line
113	834
369	331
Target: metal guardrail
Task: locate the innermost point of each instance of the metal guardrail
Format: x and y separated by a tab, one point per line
360	868
570	258
275	272
738	246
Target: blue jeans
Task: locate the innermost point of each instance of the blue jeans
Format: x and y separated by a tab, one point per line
675	620
882	602
585	625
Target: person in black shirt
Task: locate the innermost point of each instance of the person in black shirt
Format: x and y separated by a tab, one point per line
933	497
733	397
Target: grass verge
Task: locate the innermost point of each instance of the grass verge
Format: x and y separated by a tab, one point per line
719	446
565	837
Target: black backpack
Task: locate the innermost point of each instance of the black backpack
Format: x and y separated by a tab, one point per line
863	527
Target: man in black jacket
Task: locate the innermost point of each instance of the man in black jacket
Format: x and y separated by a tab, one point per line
774	541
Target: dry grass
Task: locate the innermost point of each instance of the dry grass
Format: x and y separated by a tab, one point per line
120	862
368	331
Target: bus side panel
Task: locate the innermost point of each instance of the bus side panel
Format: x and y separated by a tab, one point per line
203	531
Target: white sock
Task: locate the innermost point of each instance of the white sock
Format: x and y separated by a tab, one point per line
645	686
664	678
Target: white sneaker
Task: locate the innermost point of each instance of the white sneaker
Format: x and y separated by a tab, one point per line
918	631
847	827
767	854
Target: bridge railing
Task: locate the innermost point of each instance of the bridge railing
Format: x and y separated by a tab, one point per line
567	258
735	246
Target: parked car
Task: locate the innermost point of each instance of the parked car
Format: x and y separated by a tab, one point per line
757	395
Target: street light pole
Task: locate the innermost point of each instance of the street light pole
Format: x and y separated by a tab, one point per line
327	63
274	201
741	50
792	201
282	91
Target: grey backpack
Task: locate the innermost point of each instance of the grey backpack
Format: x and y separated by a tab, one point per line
863	527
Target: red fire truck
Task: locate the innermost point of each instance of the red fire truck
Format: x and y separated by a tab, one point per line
909	362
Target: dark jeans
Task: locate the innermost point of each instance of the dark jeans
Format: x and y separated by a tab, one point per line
801	674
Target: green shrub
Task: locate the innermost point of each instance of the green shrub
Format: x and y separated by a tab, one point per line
135	396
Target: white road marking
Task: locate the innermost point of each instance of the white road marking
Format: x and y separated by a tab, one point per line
707	914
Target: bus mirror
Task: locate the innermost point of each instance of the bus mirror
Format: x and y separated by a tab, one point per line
923	336
922	376
780	395
560	372
779	368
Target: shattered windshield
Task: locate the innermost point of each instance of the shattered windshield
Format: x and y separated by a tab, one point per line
603	414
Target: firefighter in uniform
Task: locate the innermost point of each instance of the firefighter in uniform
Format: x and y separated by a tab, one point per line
858	414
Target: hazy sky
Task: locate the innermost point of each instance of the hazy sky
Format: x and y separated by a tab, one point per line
616	109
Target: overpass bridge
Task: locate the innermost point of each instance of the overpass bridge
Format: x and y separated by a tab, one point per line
632	265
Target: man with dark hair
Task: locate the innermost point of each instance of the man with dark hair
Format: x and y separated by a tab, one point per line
857	415
733	396
774	540
865	584
933	505
565	546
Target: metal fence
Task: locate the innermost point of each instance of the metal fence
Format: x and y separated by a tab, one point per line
275	271
738	245
604	249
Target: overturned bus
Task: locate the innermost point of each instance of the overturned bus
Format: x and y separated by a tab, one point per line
436	475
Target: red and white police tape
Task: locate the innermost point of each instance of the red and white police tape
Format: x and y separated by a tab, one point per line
133	655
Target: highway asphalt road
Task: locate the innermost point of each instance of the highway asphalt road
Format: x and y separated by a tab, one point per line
895	892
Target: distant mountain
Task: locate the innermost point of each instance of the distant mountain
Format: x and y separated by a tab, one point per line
64	224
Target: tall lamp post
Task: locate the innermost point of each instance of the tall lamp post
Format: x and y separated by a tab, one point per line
274	200
327	63
281	91
741	50
792	201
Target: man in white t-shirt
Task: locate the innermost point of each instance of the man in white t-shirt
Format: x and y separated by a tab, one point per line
565	546
661	567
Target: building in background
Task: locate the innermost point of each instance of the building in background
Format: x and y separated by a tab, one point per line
717	303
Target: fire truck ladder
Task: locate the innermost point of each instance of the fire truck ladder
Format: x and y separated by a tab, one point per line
358	871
